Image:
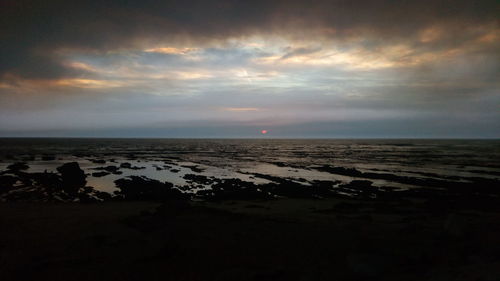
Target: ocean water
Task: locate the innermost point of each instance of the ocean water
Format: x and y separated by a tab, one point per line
254	160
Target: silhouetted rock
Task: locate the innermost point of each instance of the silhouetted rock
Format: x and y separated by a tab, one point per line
361	188
111	169
142	188
290	190
234	189
73	178
86	198
127	165
100	174
7	183
20	166
198	179
352	172
50	182
193	168
287	187
102	195
279	164
454	184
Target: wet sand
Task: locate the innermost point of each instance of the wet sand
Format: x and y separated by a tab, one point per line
283	239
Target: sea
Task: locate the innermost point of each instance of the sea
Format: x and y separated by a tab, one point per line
262	160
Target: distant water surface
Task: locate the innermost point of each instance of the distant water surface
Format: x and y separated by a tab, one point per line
249	159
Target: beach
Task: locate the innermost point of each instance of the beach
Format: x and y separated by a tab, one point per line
219	210
292	239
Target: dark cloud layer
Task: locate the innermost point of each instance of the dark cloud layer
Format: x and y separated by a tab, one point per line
31	31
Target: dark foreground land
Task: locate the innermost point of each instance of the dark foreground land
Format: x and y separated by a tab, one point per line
249	210
281	239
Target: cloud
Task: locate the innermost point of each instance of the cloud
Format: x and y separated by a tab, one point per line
83	64
33	30
171	50
291	52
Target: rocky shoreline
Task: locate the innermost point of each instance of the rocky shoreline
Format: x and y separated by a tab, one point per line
69	184
227	213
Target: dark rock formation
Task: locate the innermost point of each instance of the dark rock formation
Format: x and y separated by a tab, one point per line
110	169
142	188
100	174
20	166
127	165
363	188
198	179
73	178
7	183
234	189
193	168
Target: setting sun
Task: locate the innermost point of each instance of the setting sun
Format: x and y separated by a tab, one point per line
263	132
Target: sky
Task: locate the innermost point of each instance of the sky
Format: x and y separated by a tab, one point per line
232	68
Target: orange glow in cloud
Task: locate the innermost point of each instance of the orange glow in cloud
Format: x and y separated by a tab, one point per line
171	51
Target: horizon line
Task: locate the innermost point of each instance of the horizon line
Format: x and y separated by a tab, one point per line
258	138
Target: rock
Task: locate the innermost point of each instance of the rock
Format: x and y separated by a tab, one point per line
198	179
111	169
362	188
73	178
234	189
100	174
51	182
125	165
142	188
20	166
352	172
102	195
193	168
85	198
7	183
290	190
